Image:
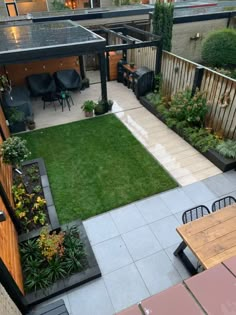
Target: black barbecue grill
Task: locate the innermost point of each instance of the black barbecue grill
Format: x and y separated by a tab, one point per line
143	81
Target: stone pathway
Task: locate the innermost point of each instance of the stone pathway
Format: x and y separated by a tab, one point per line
178	157
134	247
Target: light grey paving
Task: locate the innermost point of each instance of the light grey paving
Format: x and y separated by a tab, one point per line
158	272
231	176
199	193
91	298
177	262
127	218
141	242
112	254
220	184
177	200
165	231
125	287
153	209
100	228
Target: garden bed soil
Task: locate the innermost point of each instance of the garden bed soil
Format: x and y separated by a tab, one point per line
92	272
52	218
224	164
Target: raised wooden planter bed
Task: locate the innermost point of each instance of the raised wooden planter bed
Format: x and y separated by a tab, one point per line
218	160
90	273
51	211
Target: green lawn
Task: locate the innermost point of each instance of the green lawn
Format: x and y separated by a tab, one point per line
96	165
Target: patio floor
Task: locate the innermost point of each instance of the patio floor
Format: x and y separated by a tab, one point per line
179	158
134	247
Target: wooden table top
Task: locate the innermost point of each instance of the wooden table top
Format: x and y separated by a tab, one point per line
212	238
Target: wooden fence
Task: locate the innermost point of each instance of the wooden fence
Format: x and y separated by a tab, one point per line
9	250
179	74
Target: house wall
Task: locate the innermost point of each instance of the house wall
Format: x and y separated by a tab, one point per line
7	306
183	46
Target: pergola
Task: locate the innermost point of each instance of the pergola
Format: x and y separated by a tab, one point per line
130	37
48	40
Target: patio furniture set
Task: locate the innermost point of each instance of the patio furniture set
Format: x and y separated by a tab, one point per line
210	292
212	237
54	89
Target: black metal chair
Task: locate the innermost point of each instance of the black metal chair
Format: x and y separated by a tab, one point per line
68	80
195	213
222	203
41	84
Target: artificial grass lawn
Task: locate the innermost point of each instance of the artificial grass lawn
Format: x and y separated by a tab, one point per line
96	165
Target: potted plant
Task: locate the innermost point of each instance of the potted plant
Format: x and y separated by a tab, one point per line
101	108
30	123
14	151
16	120
88	108
131	64
5	85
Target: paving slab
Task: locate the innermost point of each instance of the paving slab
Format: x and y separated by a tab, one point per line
125	287
91	298
177	200
165	231
112	254
127	218
153	209
100	228
158	272
141	242
220	185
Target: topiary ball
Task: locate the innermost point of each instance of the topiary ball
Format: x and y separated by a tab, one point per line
219	48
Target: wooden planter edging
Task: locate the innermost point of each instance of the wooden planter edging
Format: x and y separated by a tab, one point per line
52	214
224	164
75	280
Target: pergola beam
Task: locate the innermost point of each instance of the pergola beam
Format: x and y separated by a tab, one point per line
137	30
123	37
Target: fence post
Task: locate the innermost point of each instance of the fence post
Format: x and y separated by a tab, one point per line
197	79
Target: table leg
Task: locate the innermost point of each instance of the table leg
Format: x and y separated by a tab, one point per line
179	252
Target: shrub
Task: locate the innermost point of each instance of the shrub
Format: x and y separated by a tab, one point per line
219	48
227	149
201	139
187	109
14	151
52	257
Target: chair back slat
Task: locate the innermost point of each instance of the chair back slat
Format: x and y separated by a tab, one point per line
222	203
195	213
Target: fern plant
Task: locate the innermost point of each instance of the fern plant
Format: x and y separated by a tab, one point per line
227	149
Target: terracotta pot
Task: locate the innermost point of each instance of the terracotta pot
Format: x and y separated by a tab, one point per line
88	114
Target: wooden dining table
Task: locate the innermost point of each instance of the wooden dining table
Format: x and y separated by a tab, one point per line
212	238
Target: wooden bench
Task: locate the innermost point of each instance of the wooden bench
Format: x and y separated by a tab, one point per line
56	308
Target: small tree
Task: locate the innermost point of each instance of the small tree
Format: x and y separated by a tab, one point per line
163	22
219	48
14	151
